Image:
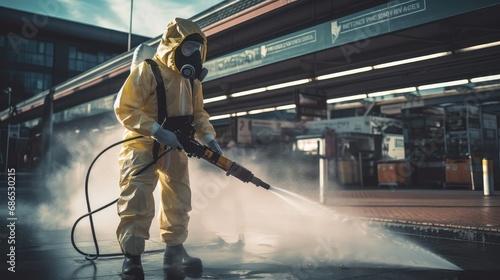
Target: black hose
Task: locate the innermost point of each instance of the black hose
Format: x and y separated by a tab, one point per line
91	212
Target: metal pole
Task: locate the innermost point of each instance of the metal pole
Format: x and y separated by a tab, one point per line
8	90
7	151
47	131
469	148
323	170
361	169
130	25
487	176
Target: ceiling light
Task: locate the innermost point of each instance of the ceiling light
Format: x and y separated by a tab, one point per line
248	92
392	91
212	118
347	105
215	99
286	107
346	98
445	84
485	78
344	73
411	60
239	114
258	111
289	84
478	47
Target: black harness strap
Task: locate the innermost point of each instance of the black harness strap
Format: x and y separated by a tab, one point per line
191	80
162	102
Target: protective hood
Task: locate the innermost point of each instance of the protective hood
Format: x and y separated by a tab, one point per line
177	30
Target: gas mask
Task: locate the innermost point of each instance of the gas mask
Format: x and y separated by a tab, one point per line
188	59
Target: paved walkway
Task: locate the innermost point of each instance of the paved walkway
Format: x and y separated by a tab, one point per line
48	254
453	209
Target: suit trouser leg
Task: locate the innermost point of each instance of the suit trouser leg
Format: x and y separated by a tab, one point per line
175	197
136	206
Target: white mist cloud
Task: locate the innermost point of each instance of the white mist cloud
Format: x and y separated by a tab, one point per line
283	227
65	188
289	228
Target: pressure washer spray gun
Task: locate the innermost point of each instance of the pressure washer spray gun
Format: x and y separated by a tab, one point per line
195	149
185	135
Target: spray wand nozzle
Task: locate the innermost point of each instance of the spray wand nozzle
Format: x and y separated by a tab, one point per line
245	175
194	148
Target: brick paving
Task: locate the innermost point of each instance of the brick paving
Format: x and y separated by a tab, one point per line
443	208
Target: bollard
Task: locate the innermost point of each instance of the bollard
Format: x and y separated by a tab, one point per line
487	175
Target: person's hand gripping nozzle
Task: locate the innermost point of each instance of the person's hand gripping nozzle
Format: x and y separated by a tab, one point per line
194	148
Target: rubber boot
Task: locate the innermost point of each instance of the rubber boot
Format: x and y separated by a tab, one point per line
132	268
177	260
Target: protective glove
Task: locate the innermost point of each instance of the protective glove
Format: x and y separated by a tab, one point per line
167	138
215	146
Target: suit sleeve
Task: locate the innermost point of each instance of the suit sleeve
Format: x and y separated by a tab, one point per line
204	129
135	93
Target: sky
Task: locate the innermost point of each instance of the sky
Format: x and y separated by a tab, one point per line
150	17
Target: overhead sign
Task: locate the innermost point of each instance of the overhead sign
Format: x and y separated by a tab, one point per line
391	109
14	131
310	105
252	131
376	21
357	27
368	124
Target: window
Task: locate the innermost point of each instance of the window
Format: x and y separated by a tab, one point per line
32	52
33	82
399	143
82	61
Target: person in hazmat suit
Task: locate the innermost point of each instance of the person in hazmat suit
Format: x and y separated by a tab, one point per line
180	56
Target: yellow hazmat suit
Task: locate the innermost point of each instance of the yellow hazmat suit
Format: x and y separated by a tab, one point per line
137	110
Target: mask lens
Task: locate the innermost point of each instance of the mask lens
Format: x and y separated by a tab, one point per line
189	47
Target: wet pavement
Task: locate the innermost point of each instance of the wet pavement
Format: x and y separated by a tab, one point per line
50	256
457	214
356	234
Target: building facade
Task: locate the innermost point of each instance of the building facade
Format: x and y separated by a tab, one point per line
38	52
